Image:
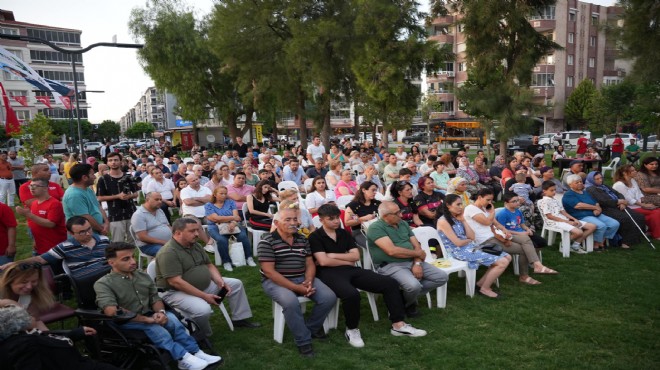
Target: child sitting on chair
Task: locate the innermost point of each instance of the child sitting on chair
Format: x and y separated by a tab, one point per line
523	190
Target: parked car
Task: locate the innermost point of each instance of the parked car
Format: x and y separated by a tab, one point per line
548	141
418	137
609	139
144	143
569	138
91	146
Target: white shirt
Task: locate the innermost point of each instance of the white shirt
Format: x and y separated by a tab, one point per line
316	151
423	169
632	194
401	156
315	200
165	189
481	232
188	192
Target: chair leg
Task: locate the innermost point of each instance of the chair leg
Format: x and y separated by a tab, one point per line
590	243
223	309
565	245
371	297
442	296
516	267
218	259
278	323
470	280
428	300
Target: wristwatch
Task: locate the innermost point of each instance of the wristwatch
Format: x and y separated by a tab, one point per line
418	263
163	312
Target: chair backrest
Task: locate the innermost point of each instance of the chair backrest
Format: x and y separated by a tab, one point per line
344	200
424	234
186	160
278	157
287	185
83	287
132	232
316	221
614	163
244	209
151	269
308	185
379	196
367	262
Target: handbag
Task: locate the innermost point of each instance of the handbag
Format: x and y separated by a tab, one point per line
494	249
226	229
236	252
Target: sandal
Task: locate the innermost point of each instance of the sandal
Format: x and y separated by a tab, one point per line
530	281
625	246
497	296
547	271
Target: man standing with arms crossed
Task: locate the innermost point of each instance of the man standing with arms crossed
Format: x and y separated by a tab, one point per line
120	200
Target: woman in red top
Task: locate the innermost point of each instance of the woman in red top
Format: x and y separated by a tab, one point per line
582	143
617	146
509	171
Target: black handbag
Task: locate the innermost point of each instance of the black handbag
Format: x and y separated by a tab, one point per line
494	249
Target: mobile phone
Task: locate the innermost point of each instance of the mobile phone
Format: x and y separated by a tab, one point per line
222	293
489	206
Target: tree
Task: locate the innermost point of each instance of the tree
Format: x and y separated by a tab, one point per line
177	56
39	135
646	107
139	130
578	104
69	127
640	38
108	130
611	107
502	48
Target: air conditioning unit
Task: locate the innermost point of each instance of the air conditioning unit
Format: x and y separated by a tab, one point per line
536	69
536	24
537	91
451	112
450	73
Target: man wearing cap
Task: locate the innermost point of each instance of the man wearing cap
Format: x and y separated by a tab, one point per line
534	148
575	168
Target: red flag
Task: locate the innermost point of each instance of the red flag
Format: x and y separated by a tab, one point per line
45	100
66	101
12	125
22	100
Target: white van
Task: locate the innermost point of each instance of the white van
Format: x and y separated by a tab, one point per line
569	138
58	144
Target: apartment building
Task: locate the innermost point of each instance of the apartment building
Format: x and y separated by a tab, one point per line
575	25
155	107
47	62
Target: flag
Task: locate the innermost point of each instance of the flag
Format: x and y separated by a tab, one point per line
44	100
22	100
12	125
13	64
66	101
60	87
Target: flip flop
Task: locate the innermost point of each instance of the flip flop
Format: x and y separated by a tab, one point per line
530	281
546	271
487	296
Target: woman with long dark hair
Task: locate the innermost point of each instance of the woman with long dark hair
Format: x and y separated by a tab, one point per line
402	195
363	208
258	204
427	201
648	178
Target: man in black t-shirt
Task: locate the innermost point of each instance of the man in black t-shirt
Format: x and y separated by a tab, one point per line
118	192
240	147
534	148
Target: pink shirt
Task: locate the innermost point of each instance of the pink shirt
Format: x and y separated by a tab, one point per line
244	191
352	187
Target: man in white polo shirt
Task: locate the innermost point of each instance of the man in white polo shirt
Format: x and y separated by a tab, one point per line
316	150
194	197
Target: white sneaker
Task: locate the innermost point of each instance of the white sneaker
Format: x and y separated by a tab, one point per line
577	248
250	262
407	330
190	362
227	266
354	338
210	359
209	248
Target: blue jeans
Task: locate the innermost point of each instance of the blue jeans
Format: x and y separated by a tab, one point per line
223	242
606	227
172	337
324	300
150	249
4	259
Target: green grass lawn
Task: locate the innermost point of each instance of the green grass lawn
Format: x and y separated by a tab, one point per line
600	312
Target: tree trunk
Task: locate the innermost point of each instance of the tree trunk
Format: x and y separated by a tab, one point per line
356	120
302	119
384	135
249	112
326	129
503	147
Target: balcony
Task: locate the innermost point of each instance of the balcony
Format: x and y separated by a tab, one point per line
542	25
442	38
448	19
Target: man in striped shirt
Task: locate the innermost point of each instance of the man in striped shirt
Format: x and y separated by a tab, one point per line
83	252
288	272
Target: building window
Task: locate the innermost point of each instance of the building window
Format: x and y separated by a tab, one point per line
61	75
547	12
571	37
550	59
53	56
569	61
592	41
8	31
462	67
594	19
592	62
572	15
55	36
17	93
460	27
62	113
23	115
11	77
569	81
543	79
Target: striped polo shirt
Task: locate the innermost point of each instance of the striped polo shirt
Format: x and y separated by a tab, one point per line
81	260
289	260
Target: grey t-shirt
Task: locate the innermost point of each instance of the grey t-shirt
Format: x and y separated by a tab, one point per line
18	174
155	226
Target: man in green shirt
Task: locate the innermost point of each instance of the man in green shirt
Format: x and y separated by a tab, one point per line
396	253
192	282
632	152
131	290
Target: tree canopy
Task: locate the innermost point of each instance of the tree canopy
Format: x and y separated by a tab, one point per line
139	130
579	103
108	130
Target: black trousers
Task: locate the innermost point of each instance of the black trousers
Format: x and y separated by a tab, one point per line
538	241
345	282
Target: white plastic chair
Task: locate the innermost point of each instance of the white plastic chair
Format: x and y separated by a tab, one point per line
307	185
565	245
287	185
317	222
611	167
141	255
278	319
216	253
342	201
424	234
151	271
256	234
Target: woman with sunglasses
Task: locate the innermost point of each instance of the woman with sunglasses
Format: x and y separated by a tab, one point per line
25	284
402	195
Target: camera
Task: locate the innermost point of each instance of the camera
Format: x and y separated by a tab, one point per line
128	184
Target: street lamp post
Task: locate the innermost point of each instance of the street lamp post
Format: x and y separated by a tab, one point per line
73	66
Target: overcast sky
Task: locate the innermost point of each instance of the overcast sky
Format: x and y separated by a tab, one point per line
115	71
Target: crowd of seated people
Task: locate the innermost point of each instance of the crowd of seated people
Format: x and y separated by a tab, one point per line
219	196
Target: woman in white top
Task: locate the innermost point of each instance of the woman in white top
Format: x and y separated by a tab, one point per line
319	196
165	187
559	153
334	175
626	184
400	154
